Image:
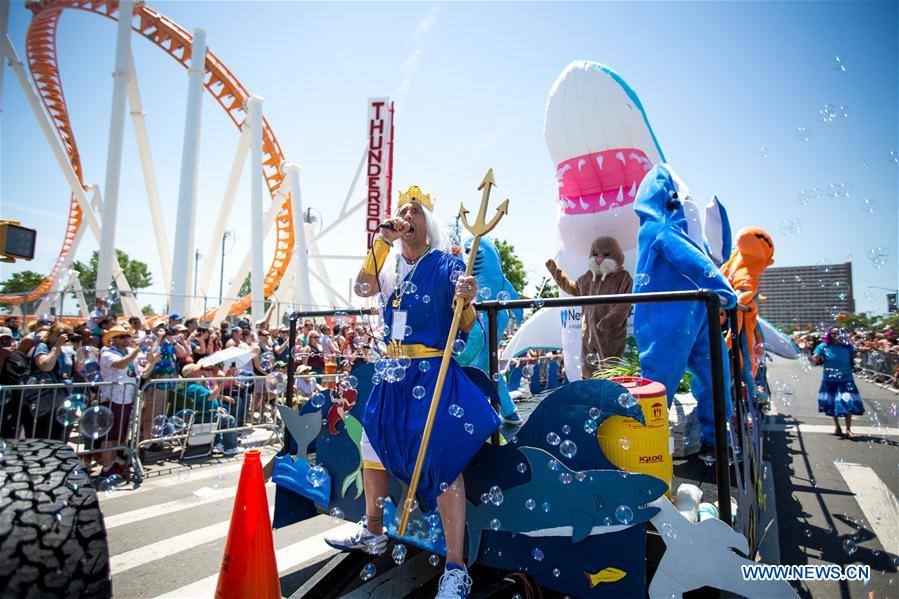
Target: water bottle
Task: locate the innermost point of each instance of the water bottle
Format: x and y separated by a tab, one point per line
687	500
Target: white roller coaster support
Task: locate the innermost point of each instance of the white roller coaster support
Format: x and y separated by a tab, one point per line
241	273
183	258
257	237
114	149
300	262
224	213
4	23
62	159
79	295
146	162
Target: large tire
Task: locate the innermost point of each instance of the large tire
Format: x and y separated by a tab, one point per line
52	537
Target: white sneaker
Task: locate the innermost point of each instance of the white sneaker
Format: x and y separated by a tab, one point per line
358	537
219	448
454	584
232	452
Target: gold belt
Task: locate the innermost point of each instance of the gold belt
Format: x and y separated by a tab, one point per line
395	349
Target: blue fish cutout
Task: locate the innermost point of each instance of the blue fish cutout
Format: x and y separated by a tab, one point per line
589	499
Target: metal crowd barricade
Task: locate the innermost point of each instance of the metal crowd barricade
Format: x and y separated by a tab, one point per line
878	366
67	412
171	412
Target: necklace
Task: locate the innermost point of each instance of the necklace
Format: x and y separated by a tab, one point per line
398	292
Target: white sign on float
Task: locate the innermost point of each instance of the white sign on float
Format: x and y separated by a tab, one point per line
379	165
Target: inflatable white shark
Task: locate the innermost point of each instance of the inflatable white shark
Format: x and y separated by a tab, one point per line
602	145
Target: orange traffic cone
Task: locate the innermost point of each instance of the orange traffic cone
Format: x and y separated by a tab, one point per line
248	566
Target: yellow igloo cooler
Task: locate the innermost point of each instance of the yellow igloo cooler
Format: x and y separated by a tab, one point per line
630	445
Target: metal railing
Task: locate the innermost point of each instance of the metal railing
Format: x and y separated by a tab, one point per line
92	417
878	366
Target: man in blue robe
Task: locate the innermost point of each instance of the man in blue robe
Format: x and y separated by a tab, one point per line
417	290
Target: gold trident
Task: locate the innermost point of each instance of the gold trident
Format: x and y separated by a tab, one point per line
479	228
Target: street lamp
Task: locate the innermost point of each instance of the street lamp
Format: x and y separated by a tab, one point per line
226	235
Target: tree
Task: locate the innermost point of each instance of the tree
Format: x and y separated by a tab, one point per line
23	281
246	288
136	273
512	265
548	288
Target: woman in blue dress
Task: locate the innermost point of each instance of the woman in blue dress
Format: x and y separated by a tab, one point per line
417	290
838	395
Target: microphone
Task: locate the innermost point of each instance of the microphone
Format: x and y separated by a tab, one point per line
388	226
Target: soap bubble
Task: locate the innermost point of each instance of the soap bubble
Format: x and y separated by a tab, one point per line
624	514
893	157
764	151
404	362
827	114
568	448
485	498
95	422
495	524
434	560
553	438
336	513
496	495
667	531
710	271
317	400
594	413
849	546
527	371
503	296
380	501
398	554
802	133
554	465
469	428
426	299
522	467
424	365
592	359
317	475
538	303
418	391
626	400
838	64
590	426
615	209
484	293
803	197
641	279
537	554
180	419
276	383
69	412
407	332
878	255
566	429
351	381
868	206
362	289
530	504
624	443
375	379
368	572
454	276
456	410
108	485
790	226
565	478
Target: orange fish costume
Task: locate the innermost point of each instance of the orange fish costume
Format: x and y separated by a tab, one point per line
753	254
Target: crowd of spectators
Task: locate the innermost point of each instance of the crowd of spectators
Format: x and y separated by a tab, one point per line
172	355
878	352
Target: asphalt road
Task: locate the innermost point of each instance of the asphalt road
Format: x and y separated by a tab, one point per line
167	537
836	497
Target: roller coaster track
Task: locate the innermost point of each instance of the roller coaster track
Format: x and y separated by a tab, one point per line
40	46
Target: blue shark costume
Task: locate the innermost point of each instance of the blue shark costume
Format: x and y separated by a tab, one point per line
673	337
489	274
396	410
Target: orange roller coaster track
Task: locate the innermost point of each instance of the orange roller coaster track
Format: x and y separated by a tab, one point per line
40	48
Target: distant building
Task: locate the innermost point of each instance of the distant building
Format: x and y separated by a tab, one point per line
803	295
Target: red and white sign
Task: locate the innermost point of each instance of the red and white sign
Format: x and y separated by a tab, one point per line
379	165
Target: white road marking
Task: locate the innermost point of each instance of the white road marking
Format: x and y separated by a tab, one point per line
287	558
867	431
199	497
172	545
877	502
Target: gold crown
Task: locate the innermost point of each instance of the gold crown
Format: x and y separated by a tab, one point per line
415	196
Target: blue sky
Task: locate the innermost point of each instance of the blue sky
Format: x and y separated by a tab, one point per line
719	82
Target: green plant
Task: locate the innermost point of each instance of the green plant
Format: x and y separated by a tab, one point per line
628	364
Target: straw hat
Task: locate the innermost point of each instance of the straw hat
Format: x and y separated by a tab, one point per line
115	331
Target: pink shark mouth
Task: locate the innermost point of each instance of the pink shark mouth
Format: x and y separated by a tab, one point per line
600	181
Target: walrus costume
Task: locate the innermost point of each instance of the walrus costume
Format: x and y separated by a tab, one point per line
604	326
